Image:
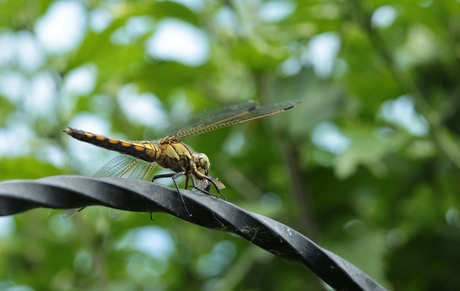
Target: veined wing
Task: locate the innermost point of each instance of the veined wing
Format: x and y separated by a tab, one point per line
127	167
233	115
121	166
183	126
124	166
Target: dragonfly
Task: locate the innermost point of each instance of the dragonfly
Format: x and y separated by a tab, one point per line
140	158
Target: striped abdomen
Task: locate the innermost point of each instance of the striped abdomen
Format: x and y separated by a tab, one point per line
143	150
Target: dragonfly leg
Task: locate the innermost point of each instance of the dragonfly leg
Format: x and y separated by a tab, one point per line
174	176
186	181
206	189
217	188
205	192
168	175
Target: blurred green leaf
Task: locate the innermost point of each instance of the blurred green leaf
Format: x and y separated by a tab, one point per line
366	148
26	168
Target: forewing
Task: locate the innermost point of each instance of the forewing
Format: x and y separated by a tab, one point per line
186	126
233	115
210	120
257	113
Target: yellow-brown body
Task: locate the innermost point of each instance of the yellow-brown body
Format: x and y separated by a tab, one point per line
170	153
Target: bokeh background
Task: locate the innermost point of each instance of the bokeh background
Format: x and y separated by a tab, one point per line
367	166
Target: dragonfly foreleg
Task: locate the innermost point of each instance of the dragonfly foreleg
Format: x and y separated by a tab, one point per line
203	187
197	187
174	176
215	186
187	178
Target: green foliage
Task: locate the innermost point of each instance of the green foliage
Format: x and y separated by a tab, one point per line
385	197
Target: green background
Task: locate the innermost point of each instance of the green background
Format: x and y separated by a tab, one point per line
388	201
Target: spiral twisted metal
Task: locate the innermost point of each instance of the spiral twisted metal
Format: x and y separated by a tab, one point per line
65	192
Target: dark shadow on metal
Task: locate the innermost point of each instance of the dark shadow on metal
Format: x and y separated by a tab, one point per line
64	192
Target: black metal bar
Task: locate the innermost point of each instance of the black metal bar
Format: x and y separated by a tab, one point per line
208	211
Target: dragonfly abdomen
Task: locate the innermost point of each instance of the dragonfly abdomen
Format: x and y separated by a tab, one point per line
146	151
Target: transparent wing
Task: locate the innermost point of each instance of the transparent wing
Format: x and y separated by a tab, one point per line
124	166
71	212
114	213
185	126
235	114
121	166
205	121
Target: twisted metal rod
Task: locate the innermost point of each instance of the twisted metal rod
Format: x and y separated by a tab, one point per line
65	192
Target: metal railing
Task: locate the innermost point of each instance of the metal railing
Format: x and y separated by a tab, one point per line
64	192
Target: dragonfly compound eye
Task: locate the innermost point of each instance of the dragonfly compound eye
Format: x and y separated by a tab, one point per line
203	162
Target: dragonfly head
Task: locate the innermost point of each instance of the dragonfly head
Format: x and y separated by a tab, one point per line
202	163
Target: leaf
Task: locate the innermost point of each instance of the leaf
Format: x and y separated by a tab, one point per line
366	148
